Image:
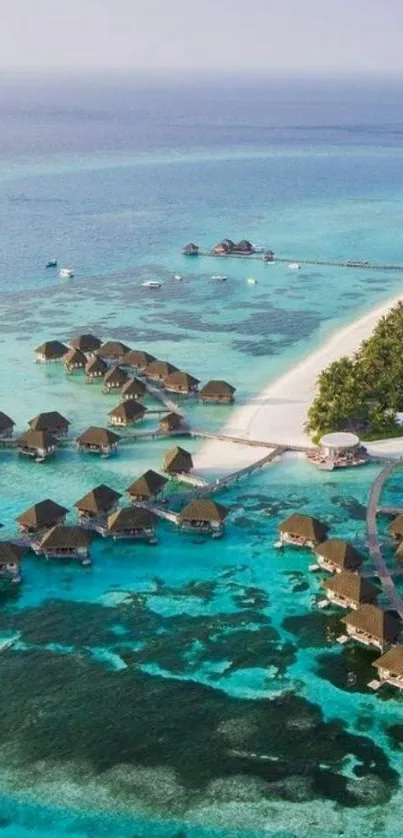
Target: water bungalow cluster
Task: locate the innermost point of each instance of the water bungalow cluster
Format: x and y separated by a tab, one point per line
366	622
227	247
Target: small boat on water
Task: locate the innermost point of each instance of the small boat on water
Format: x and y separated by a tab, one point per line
251	281
219	277
151	283
177	276
294	266
66	273
51	264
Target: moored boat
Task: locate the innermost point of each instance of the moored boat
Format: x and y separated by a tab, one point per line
66	273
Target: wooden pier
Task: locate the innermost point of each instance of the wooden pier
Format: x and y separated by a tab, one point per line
394	599
328	263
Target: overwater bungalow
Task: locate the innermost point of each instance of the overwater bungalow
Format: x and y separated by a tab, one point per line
74	360
181	383
96	368
114	379
223	248
39	445
372	626
98	441
302	531
244	246
6	426
268	256
88	344
177	461
132	522
338	450
396	528
219	392
191	249
159	370
350	590
171	422
138	360
203	515
42	516
133	389
63	542
52	422
127	413
98	503
51	350
148	487
10	558
390	667
113	351
336	555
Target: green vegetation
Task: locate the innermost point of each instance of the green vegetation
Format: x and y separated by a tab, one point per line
363	393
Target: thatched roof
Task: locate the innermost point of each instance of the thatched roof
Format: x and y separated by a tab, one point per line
139	359
148	485
37	439
62	537
399	552
86	343
116	376
11	553
217	389
382	625
396	527
181	379
134	387
204	509
96	367
97	436
52	349
160	369
51	421
75	358
98	500
176	460
352	586
42	514
172	421
128	411
304	526
340	553
190	249
113	349
244	246
131	518
5	422
225	246
392	660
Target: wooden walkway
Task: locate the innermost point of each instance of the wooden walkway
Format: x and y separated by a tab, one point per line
349	263
160	396
254	443
385	577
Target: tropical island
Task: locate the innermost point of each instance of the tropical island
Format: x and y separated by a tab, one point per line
363	393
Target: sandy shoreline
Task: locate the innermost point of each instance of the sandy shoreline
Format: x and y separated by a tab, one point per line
279	412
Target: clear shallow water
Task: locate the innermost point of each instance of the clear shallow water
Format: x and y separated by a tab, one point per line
189	683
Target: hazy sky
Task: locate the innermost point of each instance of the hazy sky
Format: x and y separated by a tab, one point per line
241	35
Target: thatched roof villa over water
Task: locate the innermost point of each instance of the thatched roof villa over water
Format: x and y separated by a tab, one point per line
51	421
115	379
138	360
177	461
127	413
302	531
133	389
113	350
203	515
336	555
170	422
147	487
390	667
159	370
37	444
96	368
181	383
132	522
98	441
217	391
74	360
223	248
51	350
6	426
372	626
10	558
350	590
42	516
191	249
88	344
98	502
63	542
268	256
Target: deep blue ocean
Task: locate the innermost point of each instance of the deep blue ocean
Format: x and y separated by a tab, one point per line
192	689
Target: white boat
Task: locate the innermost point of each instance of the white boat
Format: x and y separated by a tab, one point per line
151	283
177	276
66	273
294	266
251	281
220	277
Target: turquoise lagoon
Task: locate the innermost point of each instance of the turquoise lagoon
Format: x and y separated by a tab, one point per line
192	688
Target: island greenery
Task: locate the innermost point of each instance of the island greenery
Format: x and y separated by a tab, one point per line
363	393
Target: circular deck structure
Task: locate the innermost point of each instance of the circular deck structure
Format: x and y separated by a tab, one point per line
339	440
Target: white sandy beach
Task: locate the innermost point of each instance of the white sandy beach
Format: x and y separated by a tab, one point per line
278	414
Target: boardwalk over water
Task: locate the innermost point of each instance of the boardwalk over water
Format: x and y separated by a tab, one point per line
349	263
385	577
